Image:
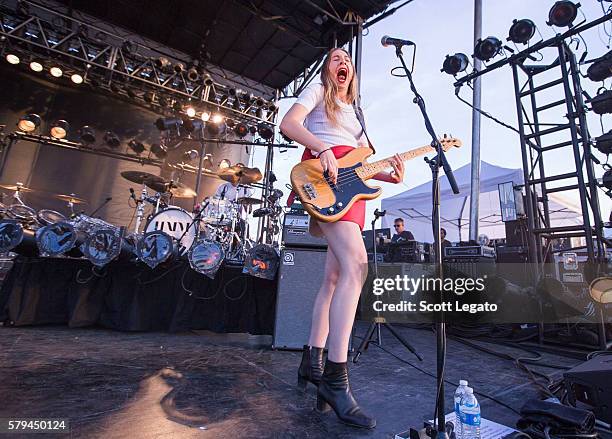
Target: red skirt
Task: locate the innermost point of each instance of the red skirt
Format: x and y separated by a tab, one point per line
356	214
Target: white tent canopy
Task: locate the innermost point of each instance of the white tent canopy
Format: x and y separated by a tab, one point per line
414	205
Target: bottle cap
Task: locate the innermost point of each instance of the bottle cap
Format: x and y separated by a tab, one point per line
463	382
469	390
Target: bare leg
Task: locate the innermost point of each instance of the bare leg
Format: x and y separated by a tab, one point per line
345	241
320	311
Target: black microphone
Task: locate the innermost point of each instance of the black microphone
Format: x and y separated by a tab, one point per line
388	41
223	192
378	213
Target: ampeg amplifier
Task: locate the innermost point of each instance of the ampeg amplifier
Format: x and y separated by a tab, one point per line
295	231
589	386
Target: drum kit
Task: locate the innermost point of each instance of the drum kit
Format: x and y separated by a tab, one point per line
216	231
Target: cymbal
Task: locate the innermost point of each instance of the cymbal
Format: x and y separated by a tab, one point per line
141	177
16	187
248	201
240	175
177	189
70	198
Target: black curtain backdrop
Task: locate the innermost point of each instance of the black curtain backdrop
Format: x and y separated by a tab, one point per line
132	297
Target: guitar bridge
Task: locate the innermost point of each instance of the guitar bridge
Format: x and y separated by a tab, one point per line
310	191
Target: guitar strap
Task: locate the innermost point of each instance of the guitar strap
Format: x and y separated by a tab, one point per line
359	114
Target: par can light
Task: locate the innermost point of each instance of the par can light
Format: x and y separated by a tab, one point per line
29	123
59	129
454	64
12	59
487	48
36	66
87	135
521	31
563	13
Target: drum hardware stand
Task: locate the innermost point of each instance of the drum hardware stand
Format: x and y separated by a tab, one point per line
139	207
378	320
438	431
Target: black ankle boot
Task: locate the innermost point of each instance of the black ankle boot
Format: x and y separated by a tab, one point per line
311	367
335	391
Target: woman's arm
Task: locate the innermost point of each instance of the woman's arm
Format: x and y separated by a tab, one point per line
292	126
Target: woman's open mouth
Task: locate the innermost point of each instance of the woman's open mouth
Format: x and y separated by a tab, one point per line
342	75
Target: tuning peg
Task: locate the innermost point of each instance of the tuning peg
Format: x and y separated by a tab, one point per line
445	135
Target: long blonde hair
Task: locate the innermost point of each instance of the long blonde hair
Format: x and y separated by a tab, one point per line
331	89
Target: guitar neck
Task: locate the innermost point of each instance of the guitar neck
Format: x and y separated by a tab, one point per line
369	170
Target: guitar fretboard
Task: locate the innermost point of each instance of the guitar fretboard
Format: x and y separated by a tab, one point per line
369	170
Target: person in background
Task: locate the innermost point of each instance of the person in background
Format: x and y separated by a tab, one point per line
401	235
445	242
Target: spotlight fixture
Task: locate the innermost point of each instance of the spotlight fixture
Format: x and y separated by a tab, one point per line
259	101
87	135
217	118
29	123
190	111
253	130
241	130
231	123
77	79
166	123
272	107
59	129
36	66
563	13
162	63
224	164
192	125
521	31
192	74
12	59
56	72
601	69
159	151
190	155
606	179
215	129
265	131
454	64
111	139
208	80
179	67
205	116
487	48
206	257
602	103
136	146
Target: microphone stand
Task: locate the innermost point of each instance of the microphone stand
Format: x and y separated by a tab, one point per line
378	320
439	430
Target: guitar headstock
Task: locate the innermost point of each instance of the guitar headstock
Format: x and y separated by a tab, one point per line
449	142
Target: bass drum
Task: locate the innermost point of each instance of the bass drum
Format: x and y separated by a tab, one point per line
177	223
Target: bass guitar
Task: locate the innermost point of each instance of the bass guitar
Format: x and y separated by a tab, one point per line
327	201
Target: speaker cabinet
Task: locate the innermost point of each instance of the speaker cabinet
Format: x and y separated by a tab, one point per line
299	280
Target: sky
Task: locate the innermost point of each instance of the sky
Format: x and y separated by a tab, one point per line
440	27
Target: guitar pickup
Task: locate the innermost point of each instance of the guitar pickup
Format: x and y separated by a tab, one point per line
310	190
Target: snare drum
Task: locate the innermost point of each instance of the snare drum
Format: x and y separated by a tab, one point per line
48	216
177	223
219	212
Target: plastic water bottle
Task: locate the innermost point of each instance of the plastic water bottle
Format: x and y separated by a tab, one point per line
470	415
457	398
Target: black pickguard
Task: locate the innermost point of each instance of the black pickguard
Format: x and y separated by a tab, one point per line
348	185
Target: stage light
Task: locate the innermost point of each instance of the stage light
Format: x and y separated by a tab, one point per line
56	72
604	143
159	151
192	74
154	248
56	239
217	118
179	67
190	155
36	66
230	123
162	63
487	48
111	139
59	129
265	131
272	107
601	69
177	106
563	13
253	130
259	101
602	103
29	123
241	130
136	146
261	261
192	124
224	164
190	111
87	135
166	123
12	59
600	290
208	81
606	179
205	116
206	257
521	31
77	79
454	64
102	246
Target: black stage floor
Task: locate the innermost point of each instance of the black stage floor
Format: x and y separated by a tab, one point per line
157	385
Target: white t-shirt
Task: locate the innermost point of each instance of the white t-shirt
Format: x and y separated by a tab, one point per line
228	191
347	131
